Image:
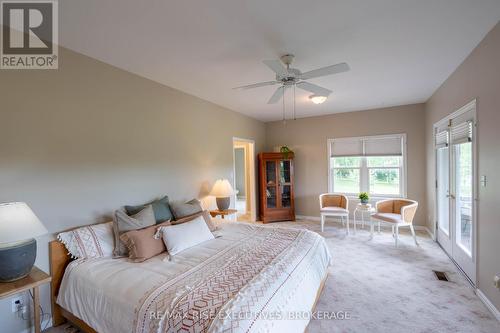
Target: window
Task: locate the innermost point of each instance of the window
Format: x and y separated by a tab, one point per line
373	164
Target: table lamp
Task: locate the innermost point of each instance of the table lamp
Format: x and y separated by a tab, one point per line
18	228
222	191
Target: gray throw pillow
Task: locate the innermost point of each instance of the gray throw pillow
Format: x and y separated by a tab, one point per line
181	210
123	223
161	209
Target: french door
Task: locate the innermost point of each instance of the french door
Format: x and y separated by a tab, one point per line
455	147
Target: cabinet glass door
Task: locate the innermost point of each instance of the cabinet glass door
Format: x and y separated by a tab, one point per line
285	183
271	184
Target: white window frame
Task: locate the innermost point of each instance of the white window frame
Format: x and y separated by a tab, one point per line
364	173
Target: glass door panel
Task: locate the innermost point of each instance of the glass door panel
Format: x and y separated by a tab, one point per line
463	195
443	190
286	196
270	173
285	171
271	197
271	185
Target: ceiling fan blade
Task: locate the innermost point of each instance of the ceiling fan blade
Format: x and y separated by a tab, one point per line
257	85
276	66
328	70
314	88
277	95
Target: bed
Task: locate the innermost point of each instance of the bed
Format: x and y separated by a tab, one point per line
250	278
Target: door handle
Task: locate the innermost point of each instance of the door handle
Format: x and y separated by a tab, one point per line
450	196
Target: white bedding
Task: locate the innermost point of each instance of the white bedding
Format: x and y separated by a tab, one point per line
249	278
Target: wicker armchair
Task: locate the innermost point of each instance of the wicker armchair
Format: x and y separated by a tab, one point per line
398	213
336	205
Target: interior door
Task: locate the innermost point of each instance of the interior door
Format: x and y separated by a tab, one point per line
456	188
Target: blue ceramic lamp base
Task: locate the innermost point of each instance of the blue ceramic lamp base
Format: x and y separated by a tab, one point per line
223	202
17	260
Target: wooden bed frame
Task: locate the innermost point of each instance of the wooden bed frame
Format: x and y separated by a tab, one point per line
59	260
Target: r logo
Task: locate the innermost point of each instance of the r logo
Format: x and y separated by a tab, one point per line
27	28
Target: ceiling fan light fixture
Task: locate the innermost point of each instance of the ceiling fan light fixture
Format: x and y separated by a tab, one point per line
318	99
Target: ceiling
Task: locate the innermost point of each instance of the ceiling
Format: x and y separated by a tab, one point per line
399	51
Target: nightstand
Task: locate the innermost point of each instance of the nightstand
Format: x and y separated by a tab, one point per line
223	213
34	280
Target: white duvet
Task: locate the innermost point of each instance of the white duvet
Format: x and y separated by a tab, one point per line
250	278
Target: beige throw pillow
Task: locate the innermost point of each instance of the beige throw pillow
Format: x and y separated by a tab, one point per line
141	243
123	223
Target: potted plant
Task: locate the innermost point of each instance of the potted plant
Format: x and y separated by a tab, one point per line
364	197
285	151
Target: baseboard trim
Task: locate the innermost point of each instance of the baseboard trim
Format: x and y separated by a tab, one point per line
44	324
424	228
488	304
305	217
317	218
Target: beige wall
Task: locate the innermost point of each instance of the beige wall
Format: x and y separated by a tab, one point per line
478	77
308	138
78	142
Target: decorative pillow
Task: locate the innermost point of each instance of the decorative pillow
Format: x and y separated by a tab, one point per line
206	216
161	209
123	223
185	235
142	244
91	241
189	208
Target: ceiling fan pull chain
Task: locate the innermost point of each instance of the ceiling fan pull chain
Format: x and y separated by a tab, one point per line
284	119
294	113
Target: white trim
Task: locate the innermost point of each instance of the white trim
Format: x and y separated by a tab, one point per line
253	177
488	304
305	217
424	228
44	324
403	168
467	107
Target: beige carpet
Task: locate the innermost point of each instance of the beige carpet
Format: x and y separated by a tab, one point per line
380	288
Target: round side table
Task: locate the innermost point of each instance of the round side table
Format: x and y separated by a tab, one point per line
363	209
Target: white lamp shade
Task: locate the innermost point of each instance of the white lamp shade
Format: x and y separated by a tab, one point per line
222	188
18	222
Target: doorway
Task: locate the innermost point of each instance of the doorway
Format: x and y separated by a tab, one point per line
244	179
456	187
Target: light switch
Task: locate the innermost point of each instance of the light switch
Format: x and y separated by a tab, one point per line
483	180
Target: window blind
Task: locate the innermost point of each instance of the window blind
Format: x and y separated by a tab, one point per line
442	139
461	133
347	147
388	146
374	146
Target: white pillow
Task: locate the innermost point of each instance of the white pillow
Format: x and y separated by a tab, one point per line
182	236
92	241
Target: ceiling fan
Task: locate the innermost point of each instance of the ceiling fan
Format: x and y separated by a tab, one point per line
289	77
